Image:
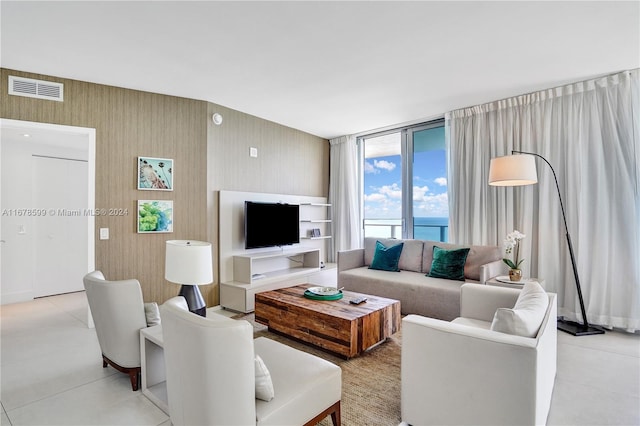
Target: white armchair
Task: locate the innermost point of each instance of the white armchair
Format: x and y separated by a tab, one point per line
462	372
210	364
118	312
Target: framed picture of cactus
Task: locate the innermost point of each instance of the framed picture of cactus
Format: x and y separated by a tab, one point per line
155	216
155	174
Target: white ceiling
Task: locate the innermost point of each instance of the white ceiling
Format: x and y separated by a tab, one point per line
328	68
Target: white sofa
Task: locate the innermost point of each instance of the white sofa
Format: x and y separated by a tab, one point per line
463	373
210	364
418	294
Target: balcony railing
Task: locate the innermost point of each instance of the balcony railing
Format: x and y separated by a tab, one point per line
392	228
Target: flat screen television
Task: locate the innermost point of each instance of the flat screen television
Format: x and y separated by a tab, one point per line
271	224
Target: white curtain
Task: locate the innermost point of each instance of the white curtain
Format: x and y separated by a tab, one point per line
344	196
590	133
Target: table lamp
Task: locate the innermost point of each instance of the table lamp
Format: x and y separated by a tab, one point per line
189	263
517	170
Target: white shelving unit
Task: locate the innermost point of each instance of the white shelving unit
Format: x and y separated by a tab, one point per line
245	272
258	272
260	267
311	217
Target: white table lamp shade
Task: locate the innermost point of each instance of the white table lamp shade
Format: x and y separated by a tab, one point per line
513	170
188	262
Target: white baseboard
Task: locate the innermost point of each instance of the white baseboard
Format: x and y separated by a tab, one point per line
17	297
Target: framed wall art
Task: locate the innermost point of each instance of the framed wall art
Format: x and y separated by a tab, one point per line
155	216
155	174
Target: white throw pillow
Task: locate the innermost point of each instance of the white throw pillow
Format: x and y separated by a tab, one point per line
152	314
525	318
264	386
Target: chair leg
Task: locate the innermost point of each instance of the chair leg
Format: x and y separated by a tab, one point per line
336	418
334	410
134	373
134	376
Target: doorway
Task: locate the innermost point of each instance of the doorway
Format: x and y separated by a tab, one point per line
47	181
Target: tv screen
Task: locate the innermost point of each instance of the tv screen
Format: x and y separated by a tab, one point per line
271	224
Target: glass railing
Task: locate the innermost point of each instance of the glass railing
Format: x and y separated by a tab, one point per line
424	228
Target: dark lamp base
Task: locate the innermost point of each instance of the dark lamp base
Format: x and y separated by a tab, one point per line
194	299
578	329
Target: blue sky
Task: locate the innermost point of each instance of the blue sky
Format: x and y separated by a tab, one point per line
383	183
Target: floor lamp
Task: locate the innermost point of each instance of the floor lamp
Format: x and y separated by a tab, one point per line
517	170
189	263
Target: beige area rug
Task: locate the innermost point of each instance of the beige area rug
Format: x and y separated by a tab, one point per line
370	382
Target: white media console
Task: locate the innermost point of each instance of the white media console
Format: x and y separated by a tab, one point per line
243	273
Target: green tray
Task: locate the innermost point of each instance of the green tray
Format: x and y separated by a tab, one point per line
313	296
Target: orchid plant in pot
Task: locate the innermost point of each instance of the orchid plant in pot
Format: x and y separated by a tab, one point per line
512	245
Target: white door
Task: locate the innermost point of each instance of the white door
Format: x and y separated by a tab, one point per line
60	188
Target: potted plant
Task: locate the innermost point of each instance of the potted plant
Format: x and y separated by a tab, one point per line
512	245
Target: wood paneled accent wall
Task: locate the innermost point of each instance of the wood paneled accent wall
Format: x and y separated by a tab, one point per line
208	158
129	124
289	161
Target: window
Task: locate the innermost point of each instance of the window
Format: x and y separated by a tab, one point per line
397	163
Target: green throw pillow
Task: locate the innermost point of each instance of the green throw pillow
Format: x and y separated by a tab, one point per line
386	258
448	264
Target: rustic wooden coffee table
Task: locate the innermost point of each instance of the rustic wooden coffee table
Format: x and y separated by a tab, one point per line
334	325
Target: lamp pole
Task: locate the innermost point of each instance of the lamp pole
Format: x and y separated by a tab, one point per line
571	327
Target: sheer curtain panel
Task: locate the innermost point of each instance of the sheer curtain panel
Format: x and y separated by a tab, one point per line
344	196
590	133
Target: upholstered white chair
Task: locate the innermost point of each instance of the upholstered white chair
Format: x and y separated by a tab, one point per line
211	374
463	372
119	314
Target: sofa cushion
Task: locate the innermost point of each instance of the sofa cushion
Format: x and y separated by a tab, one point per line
526	317
264	385
448	264
410	258
432	297
303	384
386	258
478	256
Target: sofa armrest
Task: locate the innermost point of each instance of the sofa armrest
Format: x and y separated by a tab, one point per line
480	301
350	259
441	359
492	269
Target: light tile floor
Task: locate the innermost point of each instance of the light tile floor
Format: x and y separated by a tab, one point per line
51	373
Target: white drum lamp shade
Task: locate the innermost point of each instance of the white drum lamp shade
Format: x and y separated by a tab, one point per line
513	170
189	263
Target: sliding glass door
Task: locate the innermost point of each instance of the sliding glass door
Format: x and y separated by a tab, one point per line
404	183
430	204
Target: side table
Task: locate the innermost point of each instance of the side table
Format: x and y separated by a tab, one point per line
152	372
494	282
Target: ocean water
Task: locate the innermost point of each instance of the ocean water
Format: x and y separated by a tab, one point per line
424	228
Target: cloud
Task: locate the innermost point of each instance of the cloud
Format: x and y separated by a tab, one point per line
442	181
369	168
419	192
385	165
392	191
432	206
375	198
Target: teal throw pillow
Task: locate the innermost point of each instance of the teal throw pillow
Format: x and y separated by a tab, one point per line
448	264
386	258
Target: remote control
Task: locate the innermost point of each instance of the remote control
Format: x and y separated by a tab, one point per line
358	300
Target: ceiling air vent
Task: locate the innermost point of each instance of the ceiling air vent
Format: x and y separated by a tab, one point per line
31	88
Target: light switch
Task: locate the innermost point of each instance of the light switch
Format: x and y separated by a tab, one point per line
253	152
104	233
